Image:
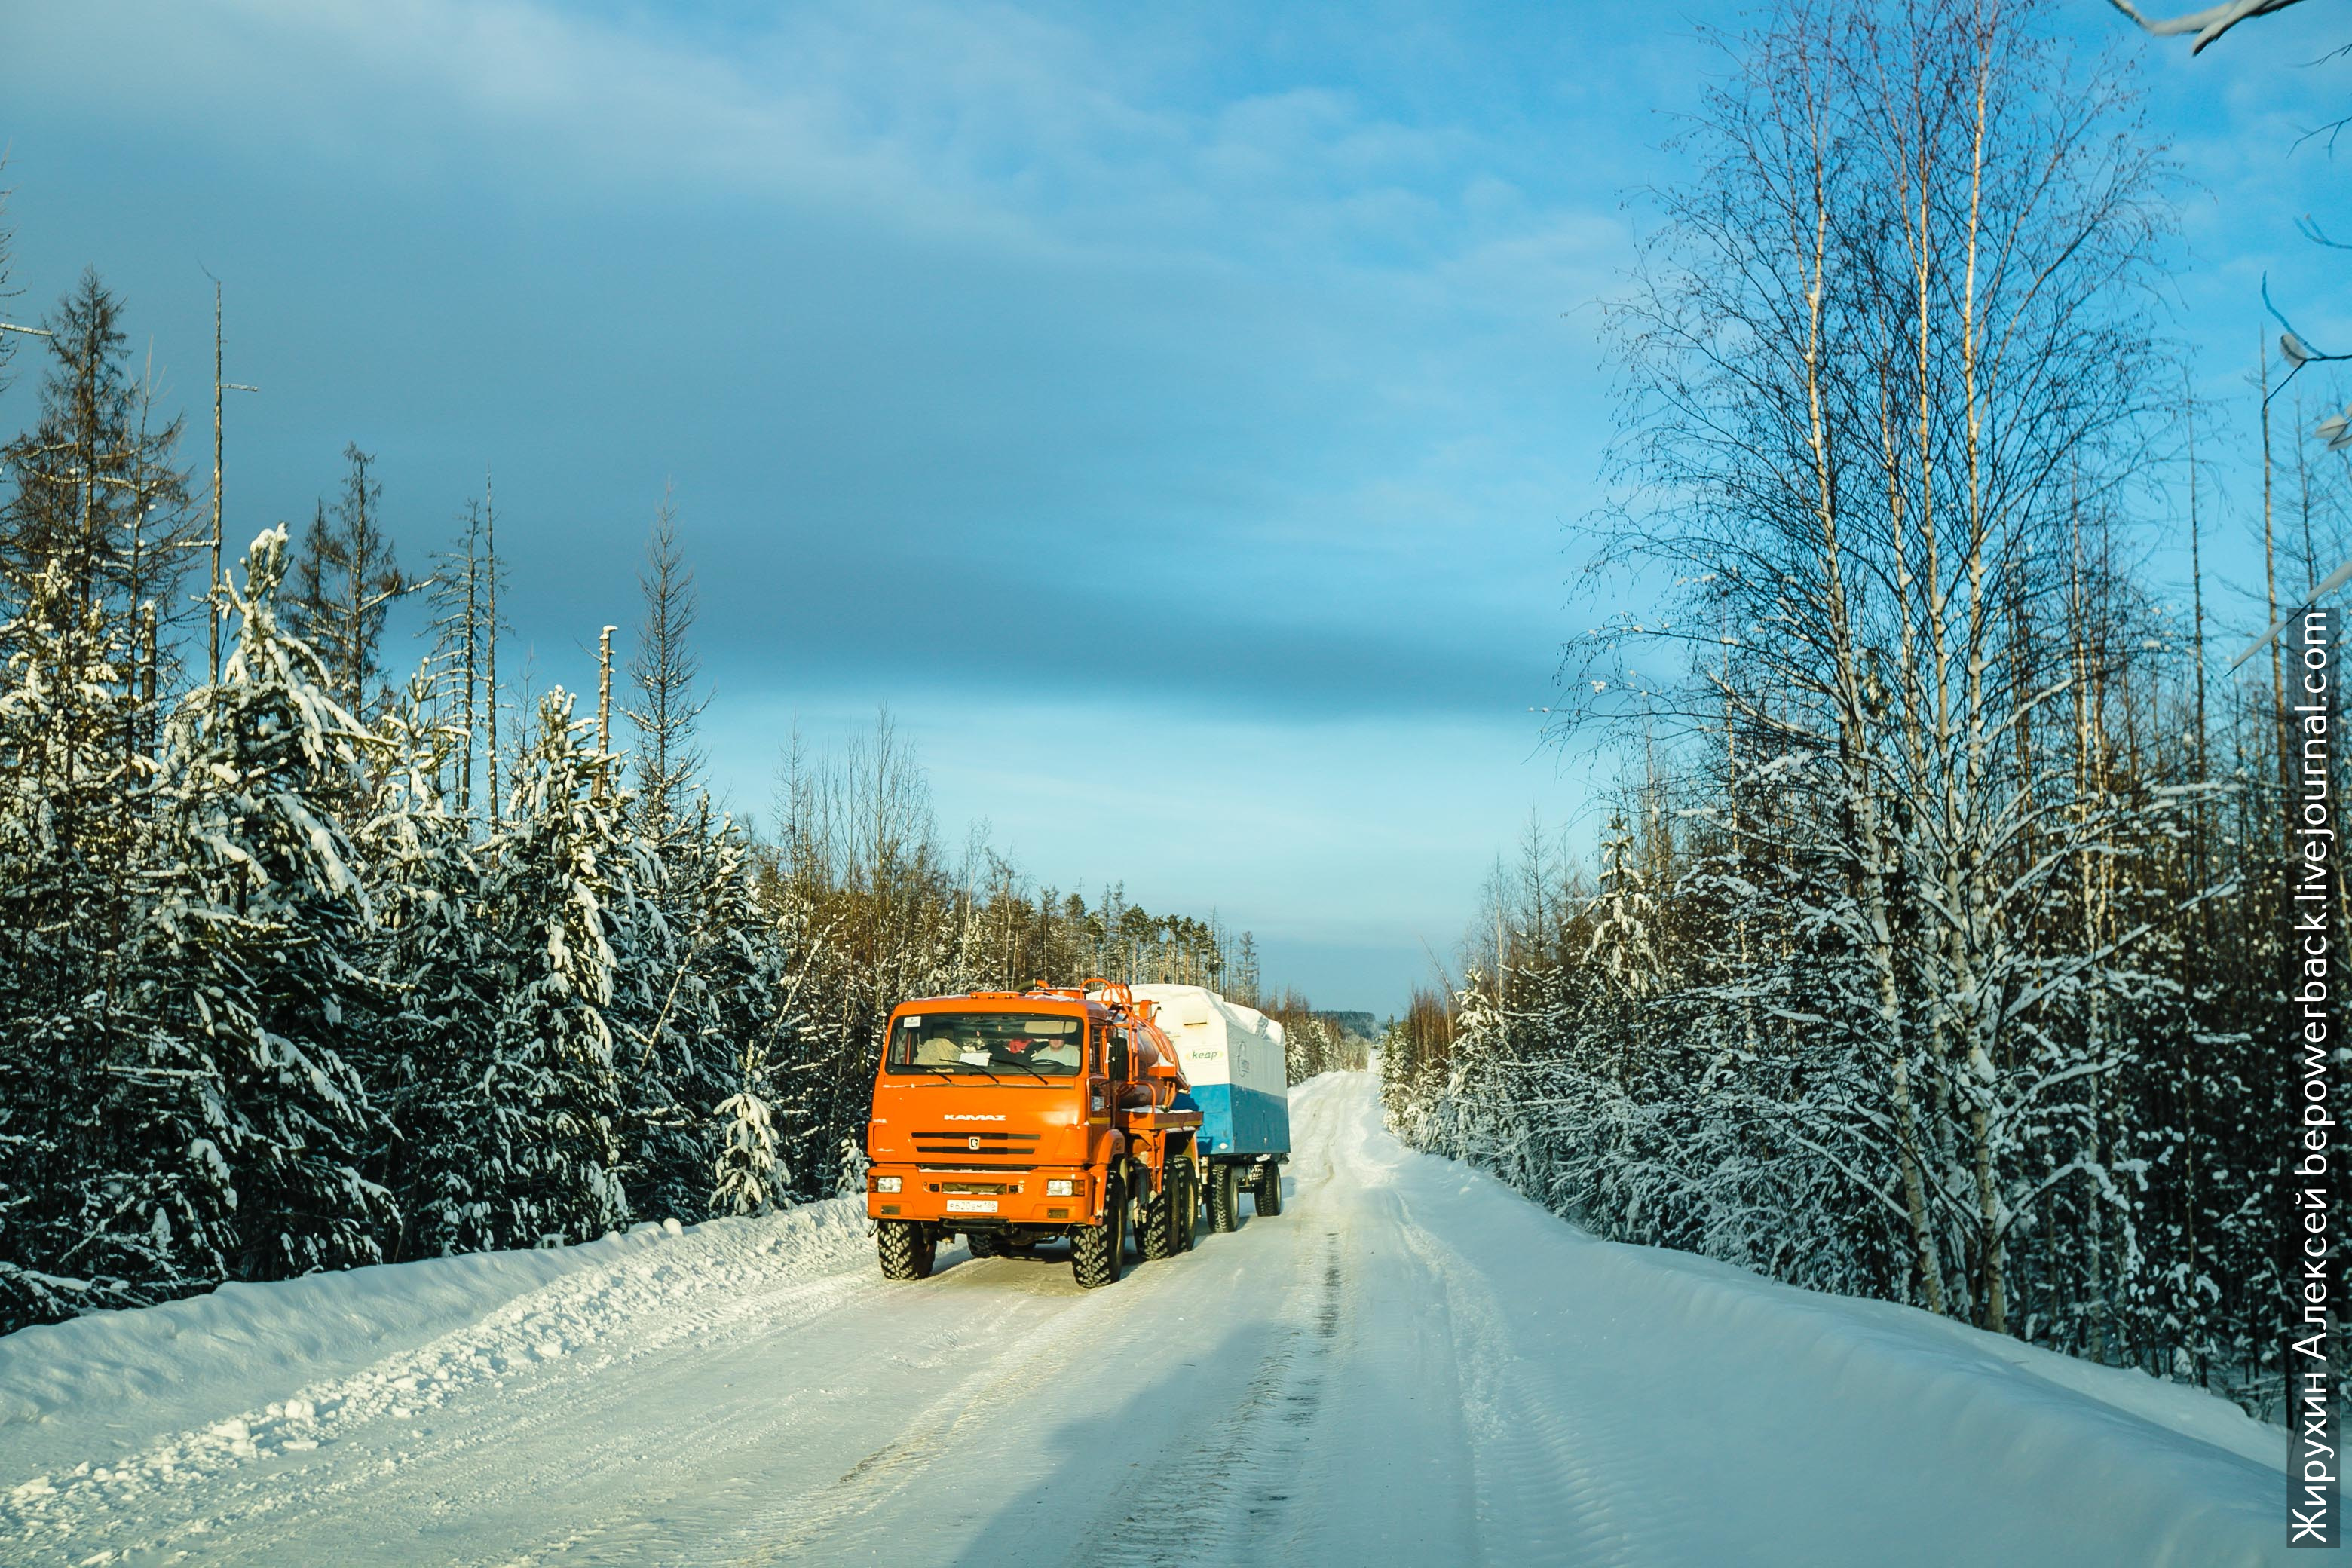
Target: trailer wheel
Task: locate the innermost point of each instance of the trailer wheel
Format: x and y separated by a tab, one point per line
1268	1190
1098	1252
1224	1200
908	1248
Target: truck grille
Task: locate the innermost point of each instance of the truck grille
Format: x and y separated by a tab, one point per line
976	1143
975	1186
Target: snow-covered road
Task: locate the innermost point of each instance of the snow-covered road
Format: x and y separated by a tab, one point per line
1409	1365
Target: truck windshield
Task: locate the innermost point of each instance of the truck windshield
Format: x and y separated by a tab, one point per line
997	1045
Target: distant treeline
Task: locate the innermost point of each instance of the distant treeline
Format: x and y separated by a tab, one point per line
314	957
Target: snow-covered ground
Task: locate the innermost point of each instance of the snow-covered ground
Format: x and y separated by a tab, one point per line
1410	1365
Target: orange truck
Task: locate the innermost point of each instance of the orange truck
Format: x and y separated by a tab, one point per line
1012	1118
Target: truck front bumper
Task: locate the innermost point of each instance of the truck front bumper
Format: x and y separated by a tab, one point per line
979	1199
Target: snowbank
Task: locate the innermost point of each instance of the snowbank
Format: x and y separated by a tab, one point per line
1910	1437
298	1357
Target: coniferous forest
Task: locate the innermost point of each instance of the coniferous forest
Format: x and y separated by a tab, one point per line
1935	948
330	944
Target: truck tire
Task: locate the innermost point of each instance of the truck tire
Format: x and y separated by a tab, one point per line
1098	1252
1268	1190
984	1244
908	1248
1160	1231
1188	1206
1151	1227
1224	1200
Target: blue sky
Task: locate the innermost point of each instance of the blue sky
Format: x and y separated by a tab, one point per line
1179	416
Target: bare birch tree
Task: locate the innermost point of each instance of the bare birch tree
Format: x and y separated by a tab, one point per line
1888	334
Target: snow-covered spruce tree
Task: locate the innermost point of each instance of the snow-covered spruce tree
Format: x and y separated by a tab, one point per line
665	1158
438	966
748	1175
751	1004
90	549
546	1123
711	1007
65	849
849	1181
1414	1052
244	1133
1475	1115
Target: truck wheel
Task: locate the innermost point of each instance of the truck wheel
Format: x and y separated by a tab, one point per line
1224	1201
1270	1190
908	1248
1159	1231
1188	1206
1097	1252
982	1244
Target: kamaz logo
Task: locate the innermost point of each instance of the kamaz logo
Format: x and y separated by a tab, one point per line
960	1116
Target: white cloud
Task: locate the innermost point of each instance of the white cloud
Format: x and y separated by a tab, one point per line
966	118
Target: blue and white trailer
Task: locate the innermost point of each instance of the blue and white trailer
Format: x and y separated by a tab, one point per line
1233	1055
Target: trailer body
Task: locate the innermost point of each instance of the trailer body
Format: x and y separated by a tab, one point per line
1233	1056
1234	1061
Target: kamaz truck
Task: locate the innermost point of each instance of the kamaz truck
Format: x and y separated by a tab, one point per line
1234	1058
1014	1117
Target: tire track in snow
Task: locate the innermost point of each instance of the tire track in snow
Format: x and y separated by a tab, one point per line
626	1533
1546	1485
1280	1399
811	1524
1551	1486
656	1468
1231	1494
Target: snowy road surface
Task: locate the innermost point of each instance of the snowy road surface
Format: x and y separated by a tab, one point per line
1409	1365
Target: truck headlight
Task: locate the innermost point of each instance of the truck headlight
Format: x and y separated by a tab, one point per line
885	1183
1057	1187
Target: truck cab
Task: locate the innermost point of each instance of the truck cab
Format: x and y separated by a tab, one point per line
1016	1118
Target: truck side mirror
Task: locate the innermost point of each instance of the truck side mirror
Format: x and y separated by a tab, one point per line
1119	1062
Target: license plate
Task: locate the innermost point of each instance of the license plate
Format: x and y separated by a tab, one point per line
971	1205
